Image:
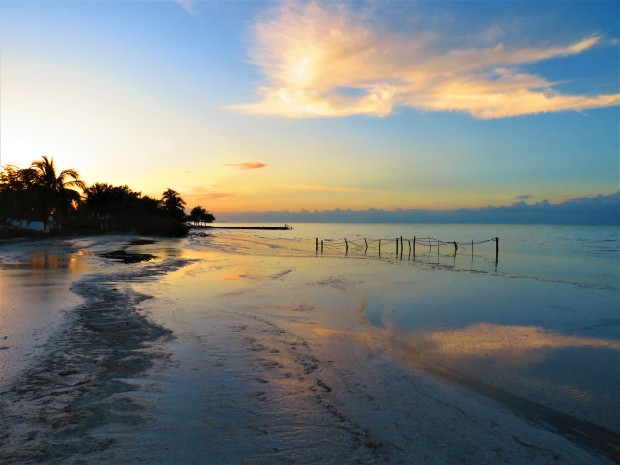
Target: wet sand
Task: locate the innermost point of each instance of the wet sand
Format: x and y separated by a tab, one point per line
223	356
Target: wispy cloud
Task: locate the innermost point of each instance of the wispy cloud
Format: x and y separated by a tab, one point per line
197	195
325	61
187	5
219	195
248	166
306	187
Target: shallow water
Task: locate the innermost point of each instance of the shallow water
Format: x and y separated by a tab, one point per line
542	323
34	295
584	255
279	353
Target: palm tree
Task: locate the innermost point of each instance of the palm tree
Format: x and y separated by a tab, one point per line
56	192
173	204
99	202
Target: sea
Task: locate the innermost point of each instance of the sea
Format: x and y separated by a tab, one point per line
582	255
531	310
526	315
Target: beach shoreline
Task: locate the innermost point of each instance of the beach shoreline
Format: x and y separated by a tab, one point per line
250	368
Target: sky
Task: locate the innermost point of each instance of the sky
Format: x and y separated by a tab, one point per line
246	106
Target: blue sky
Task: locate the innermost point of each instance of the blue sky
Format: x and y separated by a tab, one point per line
262	106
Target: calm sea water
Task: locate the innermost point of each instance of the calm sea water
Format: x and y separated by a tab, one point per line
541	322
582	255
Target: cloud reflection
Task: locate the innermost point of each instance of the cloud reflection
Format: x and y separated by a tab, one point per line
485	338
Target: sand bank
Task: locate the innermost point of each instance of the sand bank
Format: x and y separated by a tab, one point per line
214	355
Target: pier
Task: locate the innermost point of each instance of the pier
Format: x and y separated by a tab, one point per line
265	228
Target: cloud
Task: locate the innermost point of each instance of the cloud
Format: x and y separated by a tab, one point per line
523	197
307	187
219	195
248	166
326	61
187	5
600	209
197	195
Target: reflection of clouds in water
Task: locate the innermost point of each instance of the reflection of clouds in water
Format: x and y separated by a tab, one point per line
231	277
570	374
483	338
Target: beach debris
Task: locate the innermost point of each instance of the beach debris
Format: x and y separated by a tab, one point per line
142	241
128	257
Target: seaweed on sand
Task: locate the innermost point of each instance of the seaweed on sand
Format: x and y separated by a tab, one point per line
128	257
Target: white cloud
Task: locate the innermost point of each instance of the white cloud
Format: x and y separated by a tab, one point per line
325	61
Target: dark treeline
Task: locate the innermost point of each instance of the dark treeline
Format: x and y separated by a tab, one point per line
63	202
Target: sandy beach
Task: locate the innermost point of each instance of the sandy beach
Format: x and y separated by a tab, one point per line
222	350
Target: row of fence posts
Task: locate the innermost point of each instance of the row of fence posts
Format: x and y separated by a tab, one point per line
456	247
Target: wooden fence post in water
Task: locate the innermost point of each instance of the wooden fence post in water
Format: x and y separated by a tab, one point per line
366	242
413	246
397	246
472	249
317	245
496	249
456	247
379	246
321	245
346	245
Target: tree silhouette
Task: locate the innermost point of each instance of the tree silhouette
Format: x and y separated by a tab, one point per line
37	192
200	215
54	192
173	204
17	200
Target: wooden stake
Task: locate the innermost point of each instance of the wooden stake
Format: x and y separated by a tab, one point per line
496	250
413	246
397	246
317	244
321	245
346	245
366	242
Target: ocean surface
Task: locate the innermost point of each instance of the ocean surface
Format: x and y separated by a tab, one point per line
540	319
584	255
268	322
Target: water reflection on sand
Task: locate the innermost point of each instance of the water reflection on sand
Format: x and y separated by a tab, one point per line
277	346
551	342
34	290
573	374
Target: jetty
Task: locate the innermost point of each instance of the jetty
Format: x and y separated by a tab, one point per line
264	228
